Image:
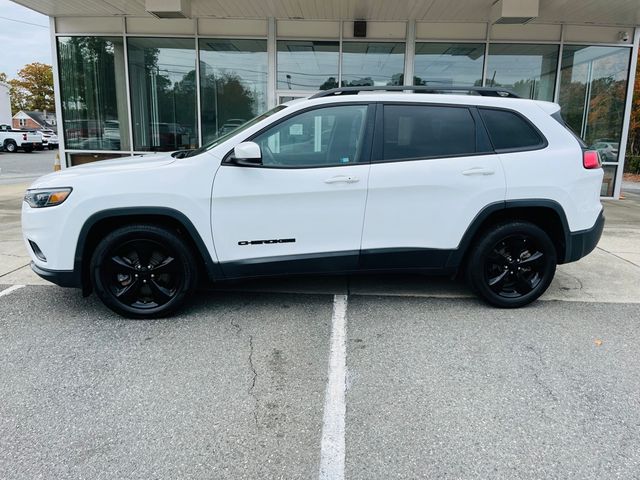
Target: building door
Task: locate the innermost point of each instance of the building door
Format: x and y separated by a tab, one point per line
302	209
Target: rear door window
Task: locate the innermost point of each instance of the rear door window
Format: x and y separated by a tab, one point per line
427	131
510	131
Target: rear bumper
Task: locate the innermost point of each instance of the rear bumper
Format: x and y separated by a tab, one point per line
63	278
582	243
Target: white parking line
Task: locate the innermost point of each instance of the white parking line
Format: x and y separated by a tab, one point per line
332	446
12	288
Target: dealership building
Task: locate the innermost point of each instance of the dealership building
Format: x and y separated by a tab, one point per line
136	76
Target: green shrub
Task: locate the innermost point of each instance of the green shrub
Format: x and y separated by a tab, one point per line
633	164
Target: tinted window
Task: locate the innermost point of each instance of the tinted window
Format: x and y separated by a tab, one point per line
320	137
422	131
509	130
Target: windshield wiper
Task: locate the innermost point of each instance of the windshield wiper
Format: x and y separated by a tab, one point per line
182	153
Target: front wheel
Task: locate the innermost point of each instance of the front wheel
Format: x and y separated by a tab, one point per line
10	146
512	264
143	271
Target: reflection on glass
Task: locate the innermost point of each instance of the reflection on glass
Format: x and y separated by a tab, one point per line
448	64
94	103
608	182
593	83
528	70
307	65
233	80
163	93
74	159
372	64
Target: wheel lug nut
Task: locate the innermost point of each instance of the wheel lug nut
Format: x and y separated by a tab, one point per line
144	281
136	275
153	276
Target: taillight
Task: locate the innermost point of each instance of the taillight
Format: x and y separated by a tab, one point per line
24	137
591	159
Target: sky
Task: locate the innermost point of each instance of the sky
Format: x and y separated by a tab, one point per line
20	41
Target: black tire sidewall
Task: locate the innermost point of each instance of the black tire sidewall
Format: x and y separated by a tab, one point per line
476	264
11	145
157	233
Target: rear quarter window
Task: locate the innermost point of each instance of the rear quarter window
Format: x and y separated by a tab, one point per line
510	131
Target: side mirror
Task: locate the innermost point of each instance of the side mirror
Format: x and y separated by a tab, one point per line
247	153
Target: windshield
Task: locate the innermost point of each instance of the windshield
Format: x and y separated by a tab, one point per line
226	136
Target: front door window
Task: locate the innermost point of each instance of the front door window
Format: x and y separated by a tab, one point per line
315	138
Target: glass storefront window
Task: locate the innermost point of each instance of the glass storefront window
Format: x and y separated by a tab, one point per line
162	74
593	83
448	64
93	93
233	82
307	65
528	70
609	180
372	63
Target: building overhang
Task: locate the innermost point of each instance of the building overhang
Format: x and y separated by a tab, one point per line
624	13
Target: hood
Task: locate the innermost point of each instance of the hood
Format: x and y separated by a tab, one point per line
67	176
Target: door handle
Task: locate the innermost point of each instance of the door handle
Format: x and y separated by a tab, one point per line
342	179
478	171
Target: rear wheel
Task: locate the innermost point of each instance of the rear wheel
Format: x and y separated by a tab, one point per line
512	264
143	271
10	146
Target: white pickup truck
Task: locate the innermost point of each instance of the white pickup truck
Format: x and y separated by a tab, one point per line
13	140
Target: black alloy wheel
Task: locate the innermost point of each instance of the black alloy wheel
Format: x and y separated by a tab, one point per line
143	271
512	265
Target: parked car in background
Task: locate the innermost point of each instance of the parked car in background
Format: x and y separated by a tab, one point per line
112	131
230	125
13	140
49	138
608	149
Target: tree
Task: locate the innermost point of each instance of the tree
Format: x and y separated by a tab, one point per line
634	123
33	89
3	77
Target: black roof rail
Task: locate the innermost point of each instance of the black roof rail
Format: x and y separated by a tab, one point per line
483	91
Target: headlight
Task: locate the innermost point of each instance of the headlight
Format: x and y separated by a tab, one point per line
46	197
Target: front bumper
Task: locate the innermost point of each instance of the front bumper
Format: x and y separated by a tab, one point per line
582	243
63	278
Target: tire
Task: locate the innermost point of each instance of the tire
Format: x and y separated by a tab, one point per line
512	264
143	271
10	146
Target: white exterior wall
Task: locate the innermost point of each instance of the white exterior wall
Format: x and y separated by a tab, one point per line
5	104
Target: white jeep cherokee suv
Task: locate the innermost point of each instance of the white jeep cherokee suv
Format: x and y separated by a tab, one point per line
349	180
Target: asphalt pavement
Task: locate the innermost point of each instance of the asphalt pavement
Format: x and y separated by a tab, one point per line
21	167
234	387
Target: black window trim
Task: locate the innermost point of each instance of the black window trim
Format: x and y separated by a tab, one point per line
367	139
529	148
377	154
